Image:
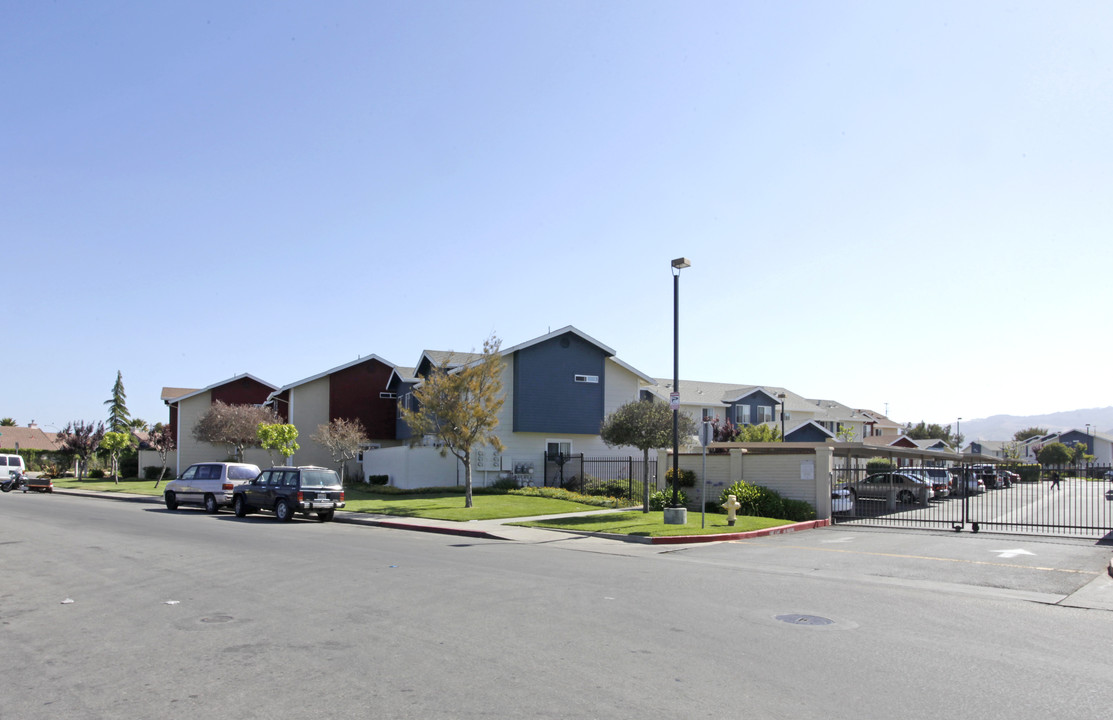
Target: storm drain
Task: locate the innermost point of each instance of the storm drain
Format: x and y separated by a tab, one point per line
805	620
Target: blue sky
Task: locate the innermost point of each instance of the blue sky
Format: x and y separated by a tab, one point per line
888	204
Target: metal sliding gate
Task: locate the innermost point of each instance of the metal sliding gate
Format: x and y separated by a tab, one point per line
1079	505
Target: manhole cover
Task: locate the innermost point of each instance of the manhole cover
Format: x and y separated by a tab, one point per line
217	619
805	620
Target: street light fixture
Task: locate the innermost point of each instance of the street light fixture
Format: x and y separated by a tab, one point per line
781	397
677	265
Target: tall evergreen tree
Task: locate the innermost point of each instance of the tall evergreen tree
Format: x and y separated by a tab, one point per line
119	419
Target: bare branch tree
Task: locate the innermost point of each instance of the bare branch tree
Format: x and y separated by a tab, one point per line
343	438
234	425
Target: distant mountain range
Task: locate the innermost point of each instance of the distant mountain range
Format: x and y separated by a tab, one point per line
1002	427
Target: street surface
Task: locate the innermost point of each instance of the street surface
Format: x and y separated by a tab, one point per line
186	615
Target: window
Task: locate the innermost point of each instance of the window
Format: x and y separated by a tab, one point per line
764	413
741	414
388	396
553	447
587	379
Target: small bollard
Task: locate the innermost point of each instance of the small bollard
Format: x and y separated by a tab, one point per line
732	506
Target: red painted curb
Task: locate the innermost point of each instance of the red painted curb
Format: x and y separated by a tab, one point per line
780	530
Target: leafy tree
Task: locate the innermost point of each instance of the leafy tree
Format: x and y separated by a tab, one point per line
281	437
81	439
115	443
343	439
847	433
1010	450
1055	453
118	417
161	440
1080	453
460	407
934	431
234	425
7	422
1028	433
646	425
758	433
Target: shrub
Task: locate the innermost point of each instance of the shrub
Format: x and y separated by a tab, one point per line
96	473
687	478
1029	472
129	466
758	501
505	483
378	479
663	498
878	465
610	488
151	472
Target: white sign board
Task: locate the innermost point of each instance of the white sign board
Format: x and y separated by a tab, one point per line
674	401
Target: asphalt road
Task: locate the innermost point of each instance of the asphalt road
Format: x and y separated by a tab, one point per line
185	615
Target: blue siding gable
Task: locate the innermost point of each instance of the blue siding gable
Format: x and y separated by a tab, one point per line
807	433
547	397
752	402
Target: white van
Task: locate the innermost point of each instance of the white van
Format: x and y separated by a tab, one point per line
11	464
208	484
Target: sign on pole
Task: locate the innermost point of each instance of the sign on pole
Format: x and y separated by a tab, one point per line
674	401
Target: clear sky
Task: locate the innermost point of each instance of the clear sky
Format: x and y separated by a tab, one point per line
901	204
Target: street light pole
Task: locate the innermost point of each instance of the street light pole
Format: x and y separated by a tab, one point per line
677	265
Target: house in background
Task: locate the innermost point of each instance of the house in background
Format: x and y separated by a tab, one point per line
354	391
187	406
803	419
557	388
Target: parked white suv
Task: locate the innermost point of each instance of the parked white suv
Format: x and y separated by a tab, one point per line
208	484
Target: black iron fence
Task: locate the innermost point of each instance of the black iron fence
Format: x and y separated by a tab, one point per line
1065	500
614	476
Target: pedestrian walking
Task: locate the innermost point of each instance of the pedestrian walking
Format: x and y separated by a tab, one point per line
1054	478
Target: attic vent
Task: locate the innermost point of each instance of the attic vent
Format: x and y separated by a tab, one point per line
587	378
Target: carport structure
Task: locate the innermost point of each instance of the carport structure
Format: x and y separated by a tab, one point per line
1081	505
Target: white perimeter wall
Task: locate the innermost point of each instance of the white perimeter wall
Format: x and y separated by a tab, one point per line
803	475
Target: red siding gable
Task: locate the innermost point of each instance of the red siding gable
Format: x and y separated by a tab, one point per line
354	394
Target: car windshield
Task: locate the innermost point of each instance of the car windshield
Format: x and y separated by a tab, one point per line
319	478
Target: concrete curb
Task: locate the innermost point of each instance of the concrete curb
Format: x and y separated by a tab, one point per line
779	530
354	518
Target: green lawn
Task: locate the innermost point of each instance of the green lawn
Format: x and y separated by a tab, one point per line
652	524
127	485
450	505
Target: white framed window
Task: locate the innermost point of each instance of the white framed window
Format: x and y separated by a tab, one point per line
587	379
552	447
388	396
764	414
741	414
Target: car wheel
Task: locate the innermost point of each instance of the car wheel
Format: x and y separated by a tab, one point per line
239	506
326	516
283	511
210	504
906	496
171	501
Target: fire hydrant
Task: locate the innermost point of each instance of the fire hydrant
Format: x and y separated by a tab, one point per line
732	506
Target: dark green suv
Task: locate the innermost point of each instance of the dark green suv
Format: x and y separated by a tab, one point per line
289	490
